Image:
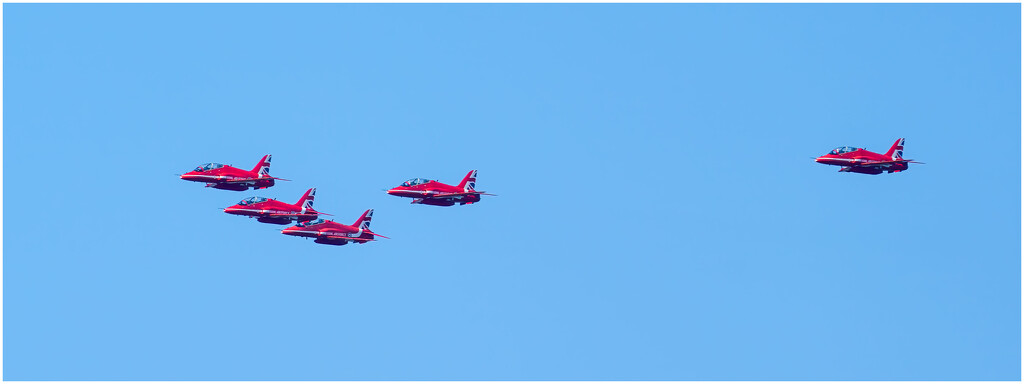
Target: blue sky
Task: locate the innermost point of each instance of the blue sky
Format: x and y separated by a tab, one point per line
659	217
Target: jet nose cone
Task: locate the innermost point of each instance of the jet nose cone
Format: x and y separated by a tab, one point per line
232	210
289	231
819	159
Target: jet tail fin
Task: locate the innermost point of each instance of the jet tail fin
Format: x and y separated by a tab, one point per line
306	202
364	220
263	167
468	183
364	224
896	152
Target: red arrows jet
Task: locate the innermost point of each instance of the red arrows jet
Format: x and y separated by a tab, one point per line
860	160
431	192
222	176
275	212
330	232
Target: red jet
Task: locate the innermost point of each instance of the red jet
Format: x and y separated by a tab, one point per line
222	176
860	160
333	233
431	192
275	212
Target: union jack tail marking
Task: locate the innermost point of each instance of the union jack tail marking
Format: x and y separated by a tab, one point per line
896	152
468	183
364	220
263	167
306	201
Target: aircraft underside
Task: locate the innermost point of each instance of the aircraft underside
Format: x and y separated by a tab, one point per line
874	170
869	171
330	241
261	184
230	187
447	202
439	202
274	220
323	240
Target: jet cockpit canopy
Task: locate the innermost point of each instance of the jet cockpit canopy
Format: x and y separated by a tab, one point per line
208	166
416	181
314	222
842	150
252	200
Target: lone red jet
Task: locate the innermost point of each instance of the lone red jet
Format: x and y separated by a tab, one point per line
333	233
860	160
275	212
431	192
222	176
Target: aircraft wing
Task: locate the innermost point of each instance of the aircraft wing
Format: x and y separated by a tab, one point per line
346	238
453	194
429	194
890	161
883	163
236	180
296	214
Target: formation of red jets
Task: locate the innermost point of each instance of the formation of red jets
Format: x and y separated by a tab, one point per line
431	192
309	224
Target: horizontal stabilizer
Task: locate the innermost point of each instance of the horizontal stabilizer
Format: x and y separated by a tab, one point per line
374	234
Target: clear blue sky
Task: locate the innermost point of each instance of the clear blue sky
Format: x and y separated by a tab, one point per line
659	217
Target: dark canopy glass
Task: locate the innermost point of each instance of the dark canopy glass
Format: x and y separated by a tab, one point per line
308	223
416	181
252	200
842	150
208	166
